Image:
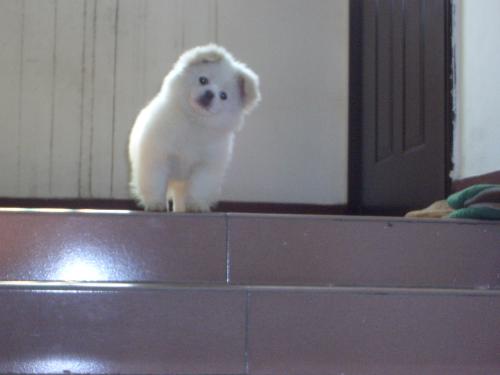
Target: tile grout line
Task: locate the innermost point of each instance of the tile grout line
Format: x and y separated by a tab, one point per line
247	330
162	286
228	255
364	219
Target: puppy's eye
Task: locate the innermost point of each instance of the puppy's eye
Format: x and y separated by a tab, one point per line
203	81
223	95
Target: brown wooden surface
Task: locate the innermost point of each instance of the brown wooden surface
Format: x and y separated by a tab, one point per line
223	206
140	247
249	249
234	294
328	333
122	331
348	251
487	178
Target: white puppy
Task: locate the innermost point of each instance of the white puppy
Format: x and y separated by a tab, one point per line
181	142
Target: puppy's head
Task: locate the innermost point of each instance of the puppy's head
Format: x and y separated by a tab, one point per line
213	86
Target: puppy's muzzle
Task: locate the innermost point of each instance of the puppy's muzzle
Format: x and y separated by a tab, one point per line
206	98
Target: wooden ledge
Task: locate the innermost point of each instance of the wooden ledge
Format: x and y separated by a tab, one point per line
248	249
141	293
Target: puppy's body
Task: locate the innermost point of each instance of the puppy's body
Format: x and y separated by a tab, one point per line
183	139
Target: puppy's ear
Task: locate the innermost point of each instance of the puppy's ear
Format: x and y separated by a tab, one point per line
248	84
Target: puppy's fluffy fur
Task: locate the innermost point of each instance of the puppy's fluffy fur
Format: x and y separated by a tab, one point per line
181	142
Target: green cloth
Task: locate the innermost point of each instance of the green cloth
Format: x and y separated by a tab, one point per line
480	201
483	213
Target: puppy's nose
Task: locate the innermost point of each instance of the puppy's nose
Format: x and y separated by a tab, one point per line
206	98
209	95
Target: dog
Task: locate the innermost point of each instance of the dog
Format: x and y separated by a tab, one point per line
181	143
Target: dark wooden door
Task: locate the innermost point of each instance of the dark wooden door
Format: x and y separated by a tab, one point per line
404	92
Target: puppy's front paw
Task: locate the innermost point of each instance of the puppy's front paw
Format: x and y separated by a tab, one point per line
192	206
154	206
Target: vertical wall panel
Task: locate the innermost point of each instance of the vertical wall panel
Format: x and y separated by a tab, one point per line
163	41
11	23
199	22
37	98
103	117
68	80
130	81
74	75
88	71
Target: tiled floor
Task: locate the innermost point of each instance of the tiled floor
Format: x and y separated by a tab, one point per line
247	294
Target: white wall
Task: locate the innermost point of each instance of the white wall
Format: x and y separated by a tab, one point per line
74	74
477	137
294	148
